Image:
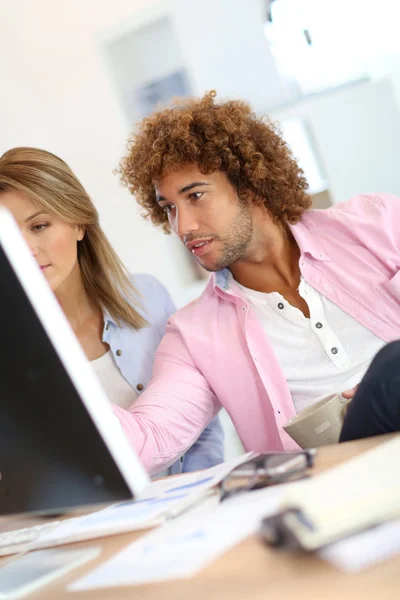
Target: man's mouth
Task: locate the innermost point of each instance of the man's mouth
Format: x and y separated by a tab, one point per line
199	247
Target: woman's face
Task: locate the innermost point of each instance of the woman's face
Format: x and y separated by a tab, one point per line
52	241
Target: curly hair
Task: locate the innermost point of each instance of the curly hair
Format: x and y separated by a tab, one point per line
228	137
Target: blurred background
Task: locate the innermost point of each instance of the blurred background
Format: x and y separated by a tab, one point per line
76	75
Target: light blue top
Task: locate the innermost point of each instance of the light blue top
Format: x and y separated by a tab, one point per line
133	352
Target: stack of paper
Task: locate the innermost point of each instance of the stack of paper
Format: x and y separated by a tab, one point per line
182	547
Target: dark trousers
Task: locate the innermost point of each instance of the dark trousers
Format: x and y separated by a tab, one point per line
375	408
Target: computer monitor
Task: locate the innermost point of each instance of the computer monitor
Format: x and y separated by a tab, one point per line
60	444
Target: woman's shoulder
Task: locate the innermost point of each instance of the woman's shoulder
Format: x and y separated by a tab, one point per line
146	284
153	296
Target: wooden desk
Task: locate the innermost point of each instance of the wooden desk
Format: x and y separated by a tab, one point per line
251	571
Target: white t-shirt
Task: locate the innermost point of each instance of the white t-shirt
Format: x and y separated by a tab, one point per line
117	389
325	354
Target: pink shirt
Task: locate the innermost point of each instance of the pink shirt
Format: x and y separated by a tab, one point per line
215	352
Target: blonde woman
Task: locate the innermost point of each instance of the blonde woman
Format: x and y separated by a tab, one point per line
118	333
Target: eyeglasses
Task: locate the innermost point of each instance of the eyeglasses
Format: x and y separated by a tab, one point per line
266	469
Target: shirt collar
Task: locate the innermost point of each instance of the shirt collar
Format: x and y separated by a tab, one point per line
307	242
108	318
222	279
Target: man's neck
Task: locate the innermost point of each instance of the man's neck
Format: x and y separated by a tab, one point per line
271	263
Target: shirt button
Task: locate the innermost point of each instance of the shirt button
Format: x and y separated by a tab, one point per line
139	387
281	305
119	352
107	326
334	350
318	325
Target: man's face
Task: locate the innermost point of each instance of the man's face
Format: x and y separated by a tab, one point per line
207	215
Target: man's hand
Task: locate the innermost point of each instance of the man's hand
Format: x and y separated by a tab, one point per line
349	396
350	393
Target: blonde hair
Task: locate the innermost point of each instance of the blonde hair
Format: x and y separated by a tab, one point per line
48	181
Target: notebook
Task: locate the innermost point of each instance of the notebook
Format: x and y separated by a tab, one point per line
350	498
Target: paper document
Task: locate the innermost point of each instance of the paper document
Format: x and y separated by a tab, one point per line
198	479
180	548
104	522
191	487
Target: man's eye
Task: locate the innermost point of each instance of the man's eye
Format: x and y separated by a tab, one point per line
196	195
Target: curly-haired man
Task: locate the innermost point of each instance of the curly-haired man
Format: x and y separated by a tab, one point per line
300	300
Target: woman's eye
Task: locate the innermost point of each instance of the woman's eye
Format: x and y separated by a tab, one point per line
167	209
40	227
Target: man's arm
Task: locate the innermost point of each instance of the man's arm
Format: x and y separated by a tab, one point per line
173	411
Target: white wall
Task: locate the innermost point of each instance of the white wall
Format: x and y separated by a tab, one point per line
350	39
225	46
357	133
